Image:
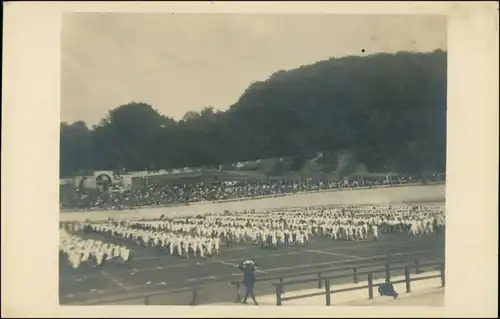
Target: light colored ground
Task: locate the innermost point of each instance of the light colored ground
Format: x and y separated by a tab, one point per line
400	194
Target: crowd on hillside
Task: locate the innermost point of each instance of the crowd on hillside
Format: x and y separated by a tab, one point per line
167	194
203	236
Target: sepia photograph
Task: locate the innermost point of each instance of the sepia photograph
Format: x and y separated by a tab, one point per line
239	159
258	159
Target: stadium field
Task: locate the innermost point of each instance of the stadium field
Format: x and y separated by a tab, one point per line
152	272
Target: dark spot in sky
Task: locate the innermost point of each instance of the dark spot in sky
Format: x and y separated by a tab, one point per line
363	50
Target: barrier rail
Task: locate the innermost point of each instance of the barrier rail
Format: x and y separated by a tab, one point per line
320	274
328	291
319	278
147	297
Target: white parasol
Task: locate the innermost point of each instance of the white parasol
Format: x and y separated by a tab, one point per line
249	262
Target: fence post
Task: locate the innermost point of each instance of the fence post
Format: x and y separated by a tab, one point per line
417	269
387	273
355	271
238	293
278	295
441	269
407	279
195	297
370	286
282	291
327	292
146	300
320	283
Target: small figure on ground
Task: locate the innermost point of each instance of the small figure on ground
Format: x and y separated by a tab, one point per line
387	289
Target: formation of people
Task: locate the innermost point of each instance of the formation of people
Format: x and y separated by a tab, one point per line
204	236
164	194
172	241
79	251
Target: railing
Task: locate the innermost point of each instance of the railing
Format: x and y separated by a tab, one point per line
146	297
320	274
328	288
320	279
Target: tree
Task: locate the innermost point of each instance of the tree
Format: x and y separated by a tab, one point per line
74	148
129	136
388	110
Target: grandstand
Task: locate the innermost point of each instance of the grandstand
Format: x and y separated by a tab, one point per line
125	190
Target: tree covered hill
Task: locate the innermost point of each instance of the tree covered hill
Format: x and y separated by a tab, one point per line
389	110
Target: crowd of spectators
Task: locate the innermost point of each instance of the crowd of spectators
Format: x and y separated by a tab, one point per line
168	194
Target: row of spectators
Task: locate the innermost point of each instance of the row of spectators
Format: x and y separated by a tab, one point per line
168	194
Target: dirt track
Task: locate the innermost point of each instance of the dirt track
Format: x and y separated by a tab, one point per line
429	193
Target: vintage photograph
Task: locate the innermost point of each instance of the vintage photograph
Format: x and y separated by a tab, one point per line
258	159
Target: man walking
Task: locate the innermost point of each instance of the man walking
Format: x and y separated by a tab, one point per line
248	268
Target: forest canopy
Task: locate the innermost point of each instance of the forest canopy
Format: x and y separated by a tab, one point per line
388	109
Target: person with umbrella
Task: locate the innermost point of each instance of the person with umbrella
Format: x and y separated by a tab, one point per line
248	267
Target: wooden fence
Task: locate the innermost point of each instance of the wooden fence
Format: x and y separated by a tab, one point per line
321	278
328	291
319	275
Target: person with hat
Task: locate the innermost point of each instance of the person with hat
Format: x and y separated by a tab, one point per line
248	267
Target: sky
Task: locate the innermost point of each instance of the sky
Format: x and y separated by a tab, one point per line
184	62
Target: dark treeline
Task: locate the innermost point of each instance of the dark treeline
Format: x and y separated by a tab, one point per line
388	109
